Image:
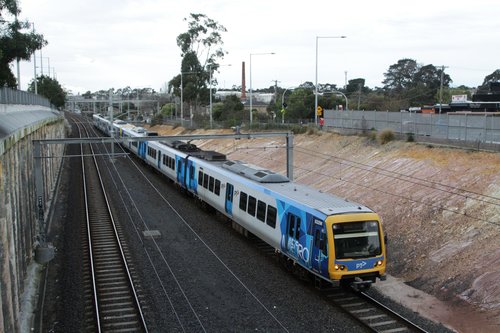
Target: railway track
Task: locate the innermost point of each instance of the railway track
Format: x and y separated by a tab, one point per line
113	303
371	313
368	311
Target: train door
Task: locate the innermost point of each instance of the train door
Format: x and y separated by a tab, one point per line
142	149
180	170
229	198
319	253
293	234
191	176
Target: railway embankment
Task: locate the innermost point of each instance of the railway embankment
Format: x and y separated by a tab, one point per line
440	207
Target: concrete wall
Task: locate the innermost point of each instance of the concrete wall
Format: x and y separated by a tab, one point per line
18	224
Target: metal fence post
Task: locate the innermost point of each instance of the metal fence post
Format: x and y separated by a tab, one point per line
466	128
484	127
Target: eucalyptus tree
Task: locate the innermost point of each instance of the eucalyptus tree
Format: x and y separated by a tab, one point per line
201	49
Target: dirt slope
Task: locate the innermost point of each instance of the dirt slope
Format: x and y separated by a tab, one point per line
440	206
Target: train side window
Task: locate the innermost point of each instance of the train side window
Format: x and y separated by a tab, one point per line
173	163
251	205
291	225
297	228
200	178
205	181
261	211
211	184
271	216
322	244
217	187
243	201
316	238
134	143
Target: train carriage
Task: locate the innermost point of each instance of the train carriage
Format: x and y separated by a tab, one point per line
334	239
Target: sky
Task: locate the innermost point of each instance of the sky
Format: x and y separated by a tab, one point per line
102	44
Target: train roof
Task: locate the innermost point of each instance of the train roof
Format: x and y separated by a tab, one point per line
326	203
192	150
283	188
254	172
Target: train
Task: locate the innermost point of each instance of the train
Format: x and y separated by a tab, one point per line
315	234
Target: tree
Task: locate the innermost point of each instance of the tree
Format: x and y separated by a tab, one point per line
300	104
408	83
230	110
201	48
493	77
355	86
14	44
428	82
51	89
400	76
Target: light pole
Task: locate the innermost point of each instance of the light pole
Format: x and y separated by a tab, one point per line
441	89
34	65
210	69
346	101
251	54
316	82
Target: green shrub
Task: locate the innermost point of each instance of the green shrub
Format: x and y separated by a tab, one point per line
410	137
385	136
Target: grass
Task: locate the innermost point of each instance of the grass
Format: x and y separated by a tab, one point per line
385	136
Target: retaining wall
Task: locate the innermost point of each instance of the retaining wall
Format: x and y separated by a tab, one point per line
18	222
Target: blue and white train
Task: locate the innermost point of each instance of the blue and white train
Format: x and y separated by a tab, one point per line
335	240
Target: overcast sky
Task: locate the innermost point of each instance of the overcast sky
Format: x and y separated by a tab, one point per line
99	44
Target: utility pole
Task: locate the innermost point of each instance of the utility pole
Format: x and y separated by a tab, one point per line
441	88
359	95
345	84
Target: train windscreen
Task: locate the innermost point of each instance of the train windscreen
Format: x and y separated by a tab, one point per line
356	240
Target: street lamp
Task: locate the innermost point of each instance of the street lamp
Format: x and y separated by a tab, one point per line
41	62
251	54
34	65
316	84
346	101
210	69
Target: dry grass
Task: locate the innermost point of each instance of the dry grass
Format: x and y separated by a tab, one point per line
385	136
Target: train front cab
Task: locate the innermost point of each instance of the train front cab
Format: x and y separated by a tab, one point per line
357	249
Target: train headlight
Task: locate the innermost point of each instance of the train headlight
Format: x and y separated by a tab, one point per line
378	263
337	267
